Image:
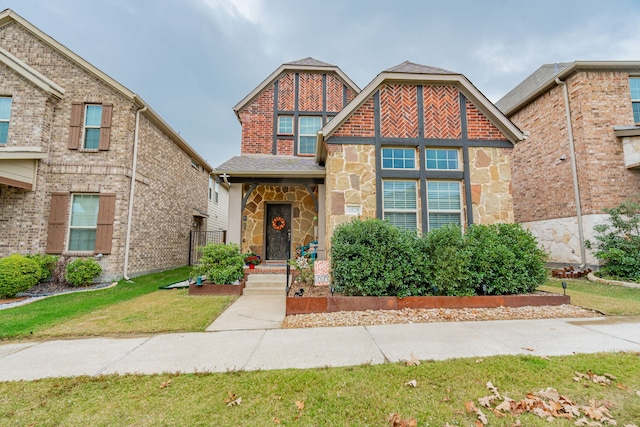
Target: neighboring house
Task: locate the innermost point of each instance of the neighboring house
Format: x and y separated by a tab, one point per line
419	146
582	154
218	207
87	168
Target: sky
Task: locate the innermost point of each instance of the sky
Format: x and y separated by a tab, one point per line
193	60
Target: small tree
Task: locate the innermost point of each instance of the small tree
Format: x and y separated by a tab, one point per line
618	242
221	263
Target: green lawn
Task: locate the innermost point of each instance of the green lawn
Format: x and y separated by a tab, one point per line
128	308
609	299
356	396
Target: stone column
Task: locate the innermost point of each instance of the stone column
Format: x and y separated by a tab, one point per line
234	235
322	218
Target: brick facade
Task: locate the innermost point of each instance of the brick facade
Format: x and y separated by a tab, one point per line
543	183
168	187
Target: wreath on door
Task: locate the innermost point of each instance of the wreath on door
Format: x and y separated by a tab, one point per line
278	223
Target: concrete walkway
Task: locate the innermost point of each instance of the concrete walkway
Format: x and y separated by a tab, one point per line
251	312
263	349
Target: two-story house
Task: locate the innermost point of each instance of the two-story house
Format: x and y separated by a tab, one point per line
87	168
582	154
420	147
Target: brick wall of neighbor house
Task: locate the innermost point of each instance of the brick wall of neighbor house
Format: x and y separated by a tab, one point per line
303	213
167	190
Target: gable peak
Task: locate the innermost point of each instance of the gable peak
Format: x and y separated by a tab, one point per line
413	68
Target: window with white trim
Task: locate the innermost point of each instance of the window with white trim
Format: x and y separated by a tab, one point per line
84	222
442	159
92	121
400	203
634	86
307	129
444	204
398	158
5	116
285	125
216	193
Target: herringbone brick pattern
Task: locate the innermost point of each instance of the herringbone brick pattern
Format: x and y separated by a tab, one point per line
310	92
350	95
399	111
286	92
479	127
334	93
360	124
441	112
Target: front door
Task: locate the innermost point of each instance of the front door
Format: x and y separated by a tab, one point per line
278	224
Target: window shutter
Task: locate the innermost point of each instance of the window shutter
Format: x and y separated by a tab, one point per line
104	231
75	130
57	223
105	126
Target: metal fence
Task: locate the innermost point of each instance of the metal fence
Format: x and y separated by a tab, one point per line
202	238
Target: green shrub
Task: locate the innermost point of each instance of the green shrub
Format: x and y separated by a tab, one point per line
447	262
504	258
17	274
221	263
47	264
82	271
373	258
618	242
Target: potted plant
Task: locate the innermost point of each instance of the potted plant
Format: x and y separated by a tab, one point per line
251	259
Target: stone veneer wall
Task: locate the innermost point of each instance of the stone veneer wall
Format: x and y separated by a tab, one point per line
303	213
490	170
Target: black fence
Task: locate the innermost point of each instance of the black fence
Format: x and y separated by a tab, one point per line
202	238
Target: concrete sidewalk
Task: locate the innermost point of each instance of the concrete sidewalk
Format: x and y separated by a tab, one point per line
264	349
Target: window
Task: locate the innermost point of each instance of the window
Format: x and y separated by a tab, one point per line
308	127
398	158
216	187
443	201
92	120
5	115
634	85
84	222
285	125
399	203
440	159
210	188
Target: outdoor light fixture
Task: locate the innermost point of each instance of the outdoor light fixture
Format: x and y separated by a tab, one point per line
564	288
332	290
484	288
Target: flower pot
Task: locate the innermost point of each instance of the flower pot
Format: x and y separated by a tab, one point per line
252	266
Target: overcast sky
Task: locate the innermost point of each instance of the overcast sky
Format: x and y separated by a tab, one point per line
193	60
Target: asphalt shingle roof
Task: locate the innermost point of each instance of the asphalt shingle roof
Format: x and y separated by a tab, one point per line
310	62
268	164
412	68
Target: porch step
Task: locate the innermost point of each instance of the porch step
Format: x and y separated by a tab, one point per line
265	284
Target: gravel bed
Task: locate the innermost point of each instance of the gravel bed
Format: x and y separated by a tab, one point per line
426	315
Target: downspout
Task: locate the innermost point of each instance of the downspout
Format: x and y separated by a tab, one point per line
133	186
574	173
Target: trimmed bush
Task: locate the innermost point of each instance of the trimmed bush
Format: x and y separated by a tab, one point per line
17	274
374	258
505	258
447	262
47	264
618	242
82	271
221	263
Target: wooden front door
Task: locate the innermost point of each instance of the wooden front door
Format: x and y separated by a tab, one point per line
278	224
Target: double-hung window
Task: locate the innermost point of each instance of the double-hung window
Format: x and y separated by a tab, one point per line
84	222
307	129
92	120
400	203
5	115
634	86
443	203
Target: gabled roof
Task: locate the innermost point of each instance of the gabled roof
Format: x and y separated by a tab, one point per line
8	16
269	166
408	72
304	65
544	78
30	74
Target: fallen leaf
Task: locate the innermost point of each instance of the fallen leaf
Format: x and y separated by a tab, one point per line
479	360
231	397
638	392
482	417
545	358
505	406
165	384
493	389
445	399
630	425
275	420
622	386
412	383
518	423
470	406
396	420
549	394
299	405
236	402
528	348
478	423
486	401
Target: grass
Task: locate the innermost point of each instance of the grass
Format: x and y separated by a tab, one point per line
355	396
128	308
611	300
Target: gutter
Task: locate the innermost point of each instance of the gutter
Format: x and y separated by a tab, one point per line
131	194
574	172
